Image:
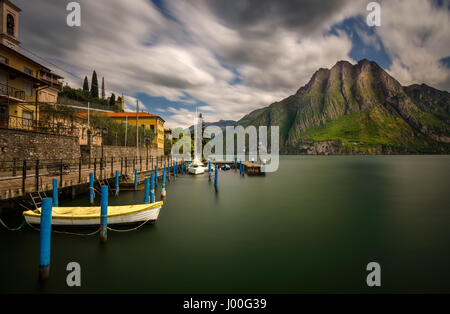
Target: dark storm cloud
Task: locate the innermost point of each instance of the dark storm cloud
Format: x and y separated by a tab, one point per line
257	17
234	56
43	26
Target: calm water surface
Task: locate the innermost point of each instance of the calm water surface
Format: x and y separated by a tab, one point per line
312	226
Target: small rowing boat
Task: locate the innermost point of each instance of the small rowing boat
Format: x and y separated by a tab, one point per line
90	216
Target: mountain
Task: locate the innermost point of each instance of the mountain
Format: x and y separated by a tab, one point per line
221	123
359	109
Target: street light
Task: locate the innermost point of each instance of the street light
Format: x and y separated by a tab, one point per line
147	141
101	131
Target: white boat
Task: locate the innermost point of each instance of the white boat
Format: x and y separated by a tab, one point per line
90	216
196	167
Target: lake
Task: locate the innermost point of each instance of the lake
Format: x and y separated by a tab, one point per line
310	227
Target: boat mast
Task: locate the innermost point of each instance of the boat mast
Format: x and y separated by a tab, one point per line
137	129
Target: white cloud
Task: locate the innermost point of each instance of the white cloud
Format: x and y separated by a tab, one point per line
415	34
139	50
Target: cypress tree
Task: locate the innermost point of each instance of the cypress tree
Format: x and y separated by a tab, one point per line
86	85
103	88
94	85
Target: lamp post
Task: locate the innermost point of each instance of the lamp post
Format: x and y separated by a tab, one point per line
101	131
147	143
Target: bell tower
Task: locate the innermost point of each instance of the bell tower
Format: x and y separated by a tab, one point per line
9	24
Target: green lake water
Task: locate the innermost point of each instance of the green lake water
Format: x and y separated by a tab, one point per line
312	226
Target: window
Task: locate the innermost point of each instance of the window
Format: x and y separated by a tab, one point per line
152	127
4	60
28	88
28	70
10	24
27	118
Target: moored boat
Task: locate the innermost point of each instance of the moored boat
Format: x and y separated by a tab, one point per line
196	167
90	215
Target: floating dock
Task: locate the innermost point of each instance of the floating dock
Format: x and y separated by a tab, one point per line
250	168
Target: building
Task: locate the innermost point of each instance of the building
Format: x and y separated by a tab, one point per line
22	80
168	135
49	94
146	120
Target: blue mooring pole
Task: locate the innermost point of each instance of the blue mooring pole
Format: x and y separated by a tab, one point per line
168	172
240	167
243	170
55	192
216	177
117	182
147	190
104	214
152	188
235	163
135	179
44	238
209	169
91	188
156	175
163	189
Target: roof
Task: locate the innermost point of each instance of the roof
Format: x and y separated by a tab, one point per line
131	115
14	70
24	57
12	5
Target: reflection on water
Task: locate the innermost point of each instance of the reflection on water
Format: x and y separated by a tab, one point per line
312	226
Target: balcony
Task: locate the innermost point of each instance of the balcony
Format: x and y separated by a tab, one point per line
20	123
52	80
11	93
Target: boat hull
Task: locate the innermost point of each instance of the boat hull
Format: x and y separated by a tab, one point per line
196	170
149	214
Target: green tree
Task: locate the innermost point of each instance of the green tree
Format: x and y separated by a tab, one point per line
112	100
94	86
86	86
116	131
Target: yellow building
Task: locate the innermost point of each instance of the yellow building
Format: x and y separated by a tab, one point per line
146	120
22	80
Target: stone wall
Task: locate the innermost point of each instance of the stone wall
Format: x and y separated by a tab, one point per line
118	151
30	145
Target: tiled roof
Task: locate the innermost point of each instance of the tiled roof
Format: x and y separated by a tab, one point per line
128	114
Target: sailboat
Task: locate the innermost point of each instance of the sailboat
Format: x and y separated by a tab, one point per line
196	167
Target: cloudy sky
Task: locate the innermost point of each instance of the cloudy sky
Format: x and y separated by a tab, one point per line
227	58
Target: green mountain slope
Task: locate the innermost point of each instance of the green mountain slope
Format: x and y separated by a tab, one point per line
359	109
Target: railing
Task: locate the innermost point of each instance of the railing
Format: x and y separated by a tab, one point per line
34	175
20	123
49	79
6	90
78	103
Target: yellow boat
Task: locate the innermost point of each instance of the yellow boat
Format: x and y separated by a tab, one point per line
90	216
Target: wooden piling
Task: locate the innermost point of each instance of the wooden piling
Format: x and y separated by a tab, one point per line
45	238
104	214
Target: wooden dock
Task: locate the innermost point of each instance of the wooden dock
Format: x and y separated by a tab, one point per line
251	168
39	178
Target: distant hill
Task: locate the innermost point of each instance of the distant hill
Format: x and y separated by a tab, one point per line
359	109
222	124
